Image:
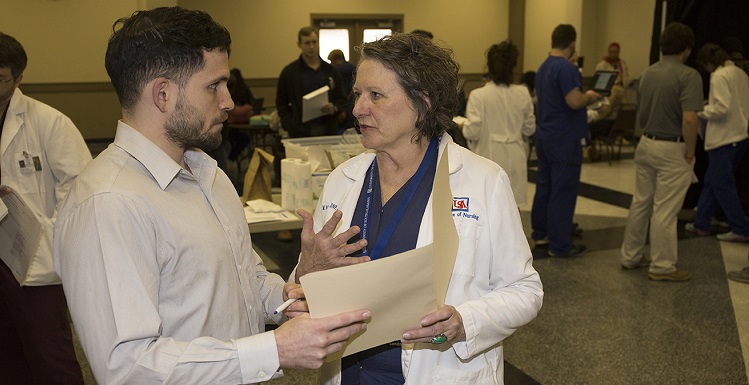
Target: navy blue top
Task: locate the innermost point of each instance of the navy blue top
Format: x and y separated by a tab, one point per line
556	121
407	231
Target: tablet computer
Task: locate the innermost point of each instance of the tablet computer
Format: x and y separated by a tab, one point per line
603	81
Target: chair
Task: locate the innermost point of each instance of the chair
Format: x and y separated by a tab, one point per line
607	134
623	129
257	106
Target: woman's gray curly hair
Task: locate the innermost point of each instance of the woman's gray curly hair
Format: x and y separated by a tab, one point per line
427	73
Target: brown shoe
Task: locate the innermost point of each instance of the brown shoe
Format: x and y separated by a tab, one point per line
673	276
284	236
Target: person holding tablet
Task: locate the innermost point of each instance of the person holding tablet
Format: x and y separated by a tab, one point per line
560	136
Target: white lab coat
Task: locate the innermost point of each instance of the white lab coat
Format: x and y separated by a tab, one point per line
497	118
33	128
727	111
494	285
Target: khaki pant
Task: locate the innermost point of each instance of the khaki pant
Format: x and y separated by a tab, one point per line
662	179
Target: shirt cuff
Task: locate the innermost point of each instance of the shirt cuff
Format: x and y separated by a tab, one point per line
258	357
462	348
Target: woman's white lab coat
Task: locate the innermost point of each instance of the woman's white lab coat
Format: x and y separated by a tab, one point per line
494	285
498	116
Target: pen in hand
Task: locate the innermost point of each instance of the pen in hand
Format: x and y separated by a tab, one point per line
286	304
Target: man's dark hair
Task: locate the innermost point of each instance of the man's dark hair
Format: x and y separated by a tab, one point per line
713	54
501	59
424	70
336	54
562	36
163	42
676	38
12	55
305	31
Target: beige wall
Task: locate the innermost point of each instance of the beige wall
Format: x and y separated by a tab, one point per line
541	16
264	31
630	23
598	22
66	39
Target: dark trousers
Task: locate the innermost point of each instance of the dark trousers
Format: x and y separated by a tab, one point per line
557	184
36	343
720	189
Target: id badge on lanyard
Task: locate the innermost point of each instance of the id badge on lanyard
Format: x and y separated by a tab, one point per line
412	186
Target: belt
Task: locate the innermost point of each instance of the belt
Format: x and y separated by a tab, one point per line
664	138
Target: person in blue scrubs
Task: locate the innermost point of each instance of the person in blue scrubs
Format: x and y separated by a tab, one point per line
561	132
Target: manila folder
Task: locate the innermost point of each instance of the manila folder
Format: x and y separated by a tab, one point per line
398	290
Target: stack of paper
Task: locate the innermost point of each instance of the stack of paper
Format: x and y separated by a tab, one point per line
260	210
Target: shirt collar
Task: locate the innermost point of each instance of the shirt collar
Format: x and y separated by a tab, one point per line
162	167
357	170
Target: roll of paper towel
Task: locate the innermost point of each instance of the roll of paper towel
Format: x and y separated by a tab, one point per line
296	185
303	177
288	190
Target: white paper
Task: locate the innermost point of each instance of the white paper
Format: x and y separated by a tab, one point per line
255	217
20	232
263	206
313	102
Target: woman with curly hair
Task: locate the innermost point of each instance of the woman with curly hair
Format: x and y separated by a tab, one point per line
500	118
406	92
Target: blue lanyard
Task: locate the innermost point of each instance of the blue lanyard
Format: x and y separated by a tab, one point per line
413	184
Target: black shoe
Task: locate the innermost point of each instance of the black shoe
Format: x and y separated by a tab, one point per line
575	251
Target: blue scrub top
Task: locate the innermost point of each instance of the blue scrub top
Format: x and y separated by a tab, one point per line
407	231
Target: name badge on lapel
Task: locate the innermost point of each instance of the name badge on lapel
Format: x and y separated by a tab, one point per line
28	163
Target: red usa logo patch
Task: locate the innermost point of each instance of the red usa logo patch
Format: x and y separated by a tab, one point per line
460	203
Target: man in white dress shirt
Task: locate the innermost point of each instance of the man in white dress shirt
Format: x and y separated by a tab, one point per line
152	244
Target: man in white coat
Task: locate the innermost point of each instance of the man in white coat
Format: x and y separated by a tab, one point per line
42	153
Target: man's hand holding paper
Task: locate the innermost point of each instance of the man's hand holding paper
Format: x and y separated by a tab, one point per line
304	343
